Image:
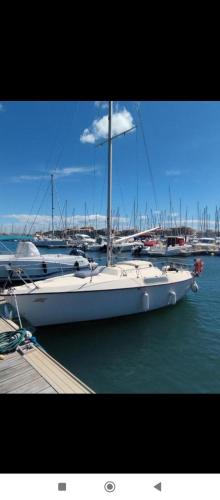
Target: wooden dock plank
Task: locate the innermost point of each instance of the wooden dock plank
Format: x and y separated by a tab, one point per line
50	390
21	380
11	362
6	325
11	355
16	372
60	379
34	387
35	371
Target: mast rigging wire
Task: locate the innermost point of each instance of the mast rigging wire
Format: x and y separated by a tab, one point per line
137	107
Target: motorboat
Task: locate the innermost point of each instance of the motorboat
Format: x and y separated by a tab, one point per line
28	264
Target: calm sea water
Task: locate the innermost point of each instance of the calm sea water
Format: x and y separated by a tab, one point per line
172	350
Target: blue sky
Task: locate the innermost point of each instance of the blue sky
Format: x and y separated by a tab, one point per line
40	138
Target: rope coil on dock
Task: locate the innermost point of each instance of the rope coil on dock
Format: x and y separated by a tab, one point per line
9	341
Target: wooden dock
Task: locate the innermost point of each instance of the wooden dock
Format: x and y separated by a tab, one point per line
35	371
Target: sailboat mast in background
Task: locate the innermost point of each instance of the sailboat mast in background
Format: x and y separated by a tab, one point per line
52	197
109	208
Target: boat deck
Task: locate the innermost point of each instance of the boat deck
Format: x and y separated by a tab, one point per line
35	371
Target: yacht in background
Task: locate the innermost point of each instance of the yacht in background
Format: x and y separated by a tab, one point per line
28	264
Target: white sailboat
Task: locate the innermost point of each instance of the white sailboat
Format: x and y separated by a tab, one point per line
175	246
126	288
127	243
51	241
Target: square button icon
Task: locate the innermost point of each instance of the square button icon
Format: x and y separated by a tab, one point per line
61	486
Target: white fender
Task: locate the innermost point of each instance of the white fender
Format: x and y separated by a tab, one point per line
165	269
146	302
7	314
194	287
172	298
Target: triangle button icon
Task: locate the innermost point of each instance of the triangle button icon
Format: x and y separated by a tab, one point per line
158	486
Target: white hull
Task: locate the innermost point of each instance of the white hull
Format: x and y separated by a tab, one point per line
204	247
28	263
47	243
166	252
36	270
104	297
93	248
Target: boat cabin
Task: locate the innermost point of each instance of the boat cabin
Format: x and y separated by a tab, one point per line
175	240
209	241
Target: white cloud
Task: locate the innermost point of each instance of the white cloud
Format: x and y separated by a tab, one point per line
173	214
43	222
23	178
64	172
72	170
121	122
173	172
1	107
78	219
88	137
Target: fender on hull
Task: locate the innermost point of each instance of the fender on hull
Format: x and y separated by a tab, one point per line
71	307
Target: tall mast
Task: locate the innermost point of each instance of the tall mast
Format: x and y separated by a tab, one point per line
198	216
85	214
109	209
134	215
65	215
52	197
171	218
73	219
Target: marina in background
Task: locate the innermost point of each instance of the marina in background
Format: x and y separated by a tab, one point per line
173	349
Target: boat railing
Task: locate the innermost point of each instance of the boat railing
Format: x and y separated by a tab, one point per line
21	275
176	264
55	266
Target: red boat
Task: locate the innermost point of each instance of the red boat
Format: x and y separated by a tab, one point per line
150	243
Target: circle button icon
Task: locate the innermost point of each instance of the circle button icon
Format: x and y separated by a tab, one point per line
109	486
